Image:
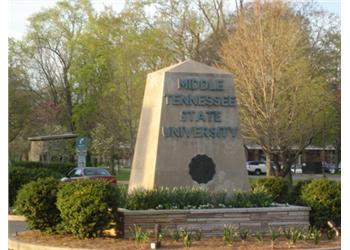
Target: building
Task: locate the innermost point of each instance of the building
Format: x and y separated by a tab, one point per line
52	148
310	154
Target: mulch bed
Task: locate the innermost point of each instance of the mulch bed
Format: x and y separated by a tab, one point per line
111	243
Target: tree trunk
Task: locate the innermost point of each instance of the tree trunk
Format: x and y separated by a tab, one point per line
68	101
286	171
269	172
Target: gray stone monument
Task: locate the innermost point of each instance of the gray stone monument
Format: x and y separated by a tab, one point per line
189	131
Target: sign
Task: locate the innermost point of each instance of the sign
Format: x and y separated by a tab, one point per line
189	131
81	144
81	161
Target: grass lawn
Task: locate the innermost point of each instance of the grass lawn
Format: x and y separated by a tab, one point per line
123	174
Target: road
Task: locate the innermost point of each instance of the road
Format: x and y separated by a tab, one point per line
15	224
305	176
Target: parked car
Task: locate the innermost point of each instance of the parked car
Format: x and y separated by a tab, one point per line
317	167
256	167
332	168
89	173
296	169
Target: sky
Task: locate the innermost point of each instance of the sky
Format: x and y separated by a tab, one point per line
20	10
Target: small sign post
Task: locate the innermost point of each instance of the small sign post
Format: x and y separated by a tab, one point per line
81	144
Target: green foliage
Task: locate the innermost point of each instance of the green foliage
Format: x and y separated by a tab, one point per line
87	207
186	237
259	236
323	196
36	201
167	198
138	235
313	234
58	167
193	197
292	235
275	234
229	234
277	187
256	198
294	197
18	176
331	233
175	235
121	194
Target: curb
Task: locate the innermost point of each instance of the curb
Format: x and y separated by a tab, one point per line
16	218
18	245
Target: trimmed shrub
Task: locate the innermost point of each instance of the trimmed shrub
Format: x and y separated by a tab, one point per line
87	207
22	172
277	187
257	198
58	167
121	194
168	198
36	201
294	197
323	196
18	176
193	197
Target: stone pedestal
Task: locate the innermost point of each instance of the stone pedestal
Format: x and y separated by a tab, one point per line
189	131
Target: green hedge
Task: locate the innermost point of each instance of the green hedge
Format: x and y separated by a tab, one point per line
18	176
87	207
323	196
22	172
294	197
36	201
58	167
277	187
192	197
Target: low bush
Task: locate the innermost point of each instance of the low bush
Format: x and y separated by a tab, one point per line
167	198
277	187
294	197
256	198
139	235
230	234
121	194
18	176
58	167
87	207
22	172
193	197
36	201
323	196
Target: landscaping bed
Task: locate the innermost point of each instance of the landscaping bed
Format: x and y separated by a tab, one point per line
111	243
211	222
80	213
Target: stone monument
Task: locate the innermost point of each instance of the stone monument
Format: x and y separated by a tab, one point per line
189	131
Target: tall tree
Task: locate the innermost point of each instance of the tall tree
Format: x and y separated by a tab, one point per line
115	54
279	100
20	95
192	29
326	55
52	45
